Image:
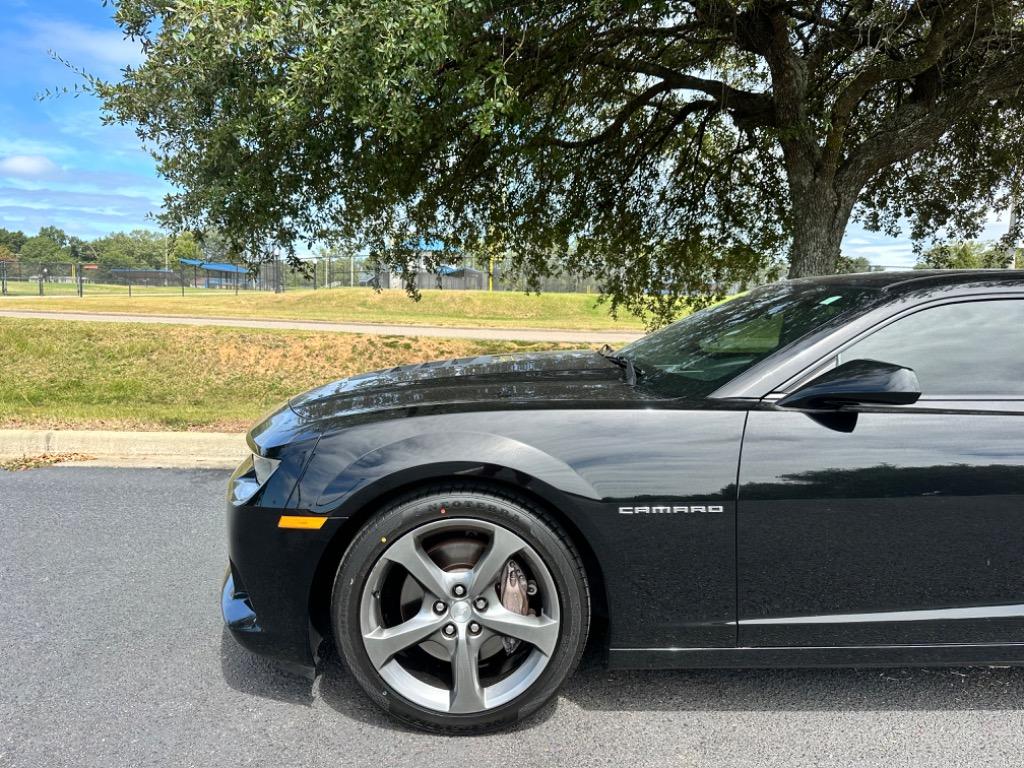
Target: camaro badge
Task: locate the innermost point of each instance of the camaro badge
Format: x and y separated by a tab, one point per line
666	509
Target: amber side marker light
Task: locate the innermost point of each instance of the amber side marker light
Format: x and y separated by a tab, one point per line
304	522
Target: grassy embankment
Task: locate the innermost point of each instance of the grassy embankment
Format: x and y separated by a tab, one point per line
451	309
70	375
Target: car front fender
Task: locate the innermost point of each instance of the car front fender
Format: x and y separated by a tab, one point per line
339	483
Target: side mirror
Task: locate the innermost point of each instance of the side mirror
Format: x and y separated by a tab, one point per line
857	382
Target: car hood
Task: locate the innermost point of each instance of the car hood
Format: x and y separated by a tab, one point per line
471	383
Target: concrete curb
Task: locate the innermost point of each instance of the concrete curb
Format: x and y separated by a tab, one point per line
129	449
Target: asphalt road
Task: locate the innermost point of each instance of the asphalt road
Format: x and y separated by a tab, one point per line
112	654
501	334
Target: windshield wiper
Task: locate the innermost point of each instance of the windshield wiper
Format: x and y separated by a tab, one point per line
632	372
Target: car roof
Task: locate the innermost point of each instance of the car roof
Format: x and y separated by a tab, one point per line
903	281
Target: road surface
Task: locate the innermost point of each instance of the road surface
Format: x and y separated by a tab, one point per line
112	654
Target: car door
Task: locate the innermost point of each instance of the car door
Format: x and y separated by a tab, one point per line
909	528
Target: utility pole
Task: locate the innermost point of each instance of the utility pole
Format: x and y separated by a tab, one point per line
167	258
491	249
1014	214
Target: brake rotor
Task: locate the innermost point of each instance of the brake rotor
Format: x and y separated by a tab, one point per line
452	555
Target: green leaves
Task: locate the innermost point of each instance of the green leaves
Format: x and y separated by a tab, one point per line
668	148
965	256
42	249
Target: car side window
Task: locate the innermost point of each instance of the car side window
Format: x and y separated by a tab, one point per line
967	349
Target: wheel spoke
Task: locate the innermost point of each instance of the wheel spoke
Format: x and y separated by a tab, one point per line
384	642
539	631
504	544
409	553
467	694
466	598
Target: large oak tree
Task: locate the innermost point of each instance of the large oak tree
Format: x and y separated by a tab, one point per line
663	146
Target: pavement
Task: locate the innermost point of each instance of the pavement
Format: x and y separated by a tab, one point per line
112	654
499	334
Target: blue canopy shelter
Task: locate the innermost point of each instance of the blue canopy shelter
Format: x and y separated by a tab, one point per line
215	274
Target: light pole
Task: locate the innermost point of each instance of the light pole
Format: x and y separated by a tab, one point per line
1014	217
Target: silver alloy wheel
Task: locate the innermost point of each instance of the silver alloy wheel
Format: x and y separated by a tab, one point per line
473	626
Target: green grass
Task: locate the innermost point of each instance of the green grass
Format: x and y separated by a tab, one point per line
60	374
358	305
23	289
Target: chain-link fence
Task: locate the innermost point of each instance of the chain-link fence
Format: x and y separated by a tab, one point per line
459	274
18	278
22	279
65	279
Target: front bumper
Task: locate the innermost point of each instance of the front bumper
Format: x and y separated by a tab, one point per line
265	597
241	621
235	607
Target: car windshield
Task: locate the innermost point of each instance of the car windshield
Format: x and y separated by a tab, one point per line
697	355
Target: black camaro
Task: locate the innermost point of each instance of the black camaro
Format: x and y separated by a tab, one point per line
822	472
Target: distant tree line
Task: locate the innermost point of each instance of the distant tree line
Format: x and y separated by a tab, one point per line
848	265
138	249
148	249
970	255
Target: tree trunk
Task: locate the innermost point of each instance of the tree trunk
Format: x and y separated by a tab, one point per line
820	217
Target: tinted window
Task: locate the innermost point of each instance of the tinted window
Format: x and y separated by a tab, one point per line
974	348
697	355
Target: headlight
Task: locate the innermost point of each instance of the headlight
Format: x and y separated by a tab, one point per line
264	468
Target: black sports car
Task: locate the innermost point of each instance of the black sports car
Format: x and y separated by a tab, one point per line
822	472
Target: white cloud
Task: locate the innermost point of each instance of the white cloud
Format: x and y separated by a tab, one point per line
84	213
19	145
82	45
27	165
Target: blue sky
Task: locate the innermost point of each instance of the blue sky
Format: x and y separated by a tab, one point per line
60	166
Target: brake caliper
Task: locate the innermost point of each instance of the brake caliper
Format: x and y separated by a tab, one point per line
514	593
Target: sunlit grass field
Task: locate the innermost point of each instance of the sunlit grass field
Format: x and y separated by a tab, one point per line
61	374
446	308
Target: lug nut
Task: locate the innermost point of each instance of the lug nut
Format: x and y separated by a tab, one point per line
440	607
459	591
474	628
449	630
480	604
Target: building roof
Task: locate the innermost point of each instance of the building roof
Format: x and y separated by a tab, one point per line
214	266
149	270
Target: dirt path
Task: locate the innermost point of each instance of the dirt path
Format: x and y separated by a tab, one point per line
501	334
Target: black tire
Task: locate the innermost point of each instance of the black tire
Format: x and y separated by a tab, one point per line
538	529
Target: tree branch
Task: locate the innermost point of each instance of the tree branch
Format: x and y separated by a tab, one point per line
935	45
789	85
749	107
638	102
915	126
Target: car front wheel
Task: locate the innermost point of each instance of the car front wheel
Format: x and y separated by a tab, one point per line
461	610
